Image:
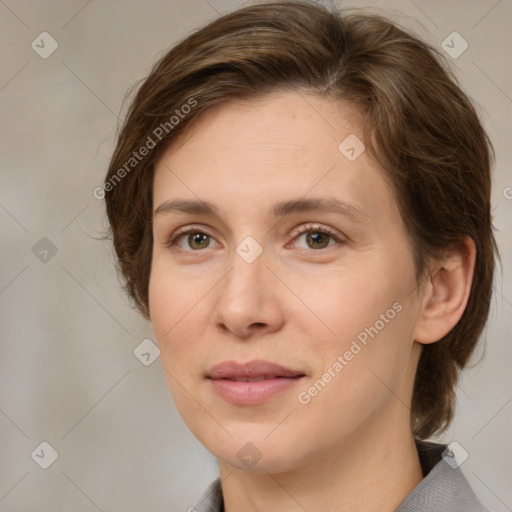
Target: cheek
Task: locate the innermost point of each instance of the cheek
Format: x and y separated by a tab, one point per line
176	308
365	320
342	301
361	371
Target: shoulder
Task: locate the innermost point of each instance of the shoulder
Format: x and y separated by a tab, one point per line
444	487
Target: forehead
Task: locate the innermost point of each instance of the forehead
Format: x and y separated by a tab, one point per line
281	146
281	123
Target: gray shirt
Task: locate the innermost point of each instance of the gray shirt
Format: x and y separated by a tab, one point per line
443	488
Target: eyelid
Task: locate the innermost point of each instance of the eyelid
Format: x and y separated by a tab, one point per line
316	227
186	230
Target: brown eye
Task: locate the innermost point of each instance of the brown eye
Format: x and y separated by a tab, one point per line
317	240
316	237
198	241
191	240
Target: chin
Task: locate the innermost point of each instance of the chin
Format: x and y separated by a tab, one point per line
255	452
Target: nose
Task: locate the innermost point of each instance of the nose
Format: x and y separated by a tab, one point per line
247	302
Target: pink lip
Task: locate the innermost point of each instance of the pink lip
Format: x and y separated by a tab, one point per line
276	378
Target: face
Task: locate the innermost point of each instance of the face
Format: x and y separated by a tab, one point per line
282	291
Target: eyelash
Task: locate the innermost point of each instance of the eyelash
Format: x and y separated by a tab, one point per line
307	228
317	228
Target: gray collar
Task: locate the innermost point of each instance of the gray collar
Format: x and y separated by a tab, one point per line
443	488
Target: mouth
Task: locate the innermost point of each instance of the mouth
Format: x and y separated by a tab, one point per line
256	379
251	383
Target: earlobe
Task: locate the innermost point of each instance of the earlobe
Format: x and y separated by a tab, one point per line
447	292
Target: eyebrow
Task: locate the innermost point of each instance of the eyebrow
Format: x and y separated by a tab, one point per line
278	210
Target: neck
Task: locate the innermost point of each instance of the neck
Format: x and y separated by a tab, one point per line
374	471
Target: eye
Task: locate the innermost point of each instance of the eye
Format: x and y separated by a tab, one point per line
315	237
191	239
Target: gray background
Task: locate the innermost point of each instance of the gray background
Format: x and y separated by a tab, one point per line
68	374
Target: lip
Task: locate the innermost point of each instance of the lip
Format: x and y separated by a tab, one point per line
230	380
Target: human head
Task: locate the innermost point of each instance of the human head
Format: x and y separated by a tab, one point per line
416	121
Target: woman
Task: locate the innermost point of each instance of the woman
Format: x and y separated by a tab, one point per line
300	204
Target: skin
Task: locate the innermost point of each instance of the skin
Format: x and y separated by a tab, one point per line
350	447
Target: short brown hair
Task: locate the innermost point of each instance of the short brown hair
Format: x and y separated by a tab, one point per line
418	124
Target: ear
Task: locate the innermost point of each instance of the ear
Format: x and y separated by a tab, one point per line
445	292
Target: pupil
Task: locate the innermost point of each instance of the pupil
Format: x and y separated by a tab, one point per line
197	240
317	240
